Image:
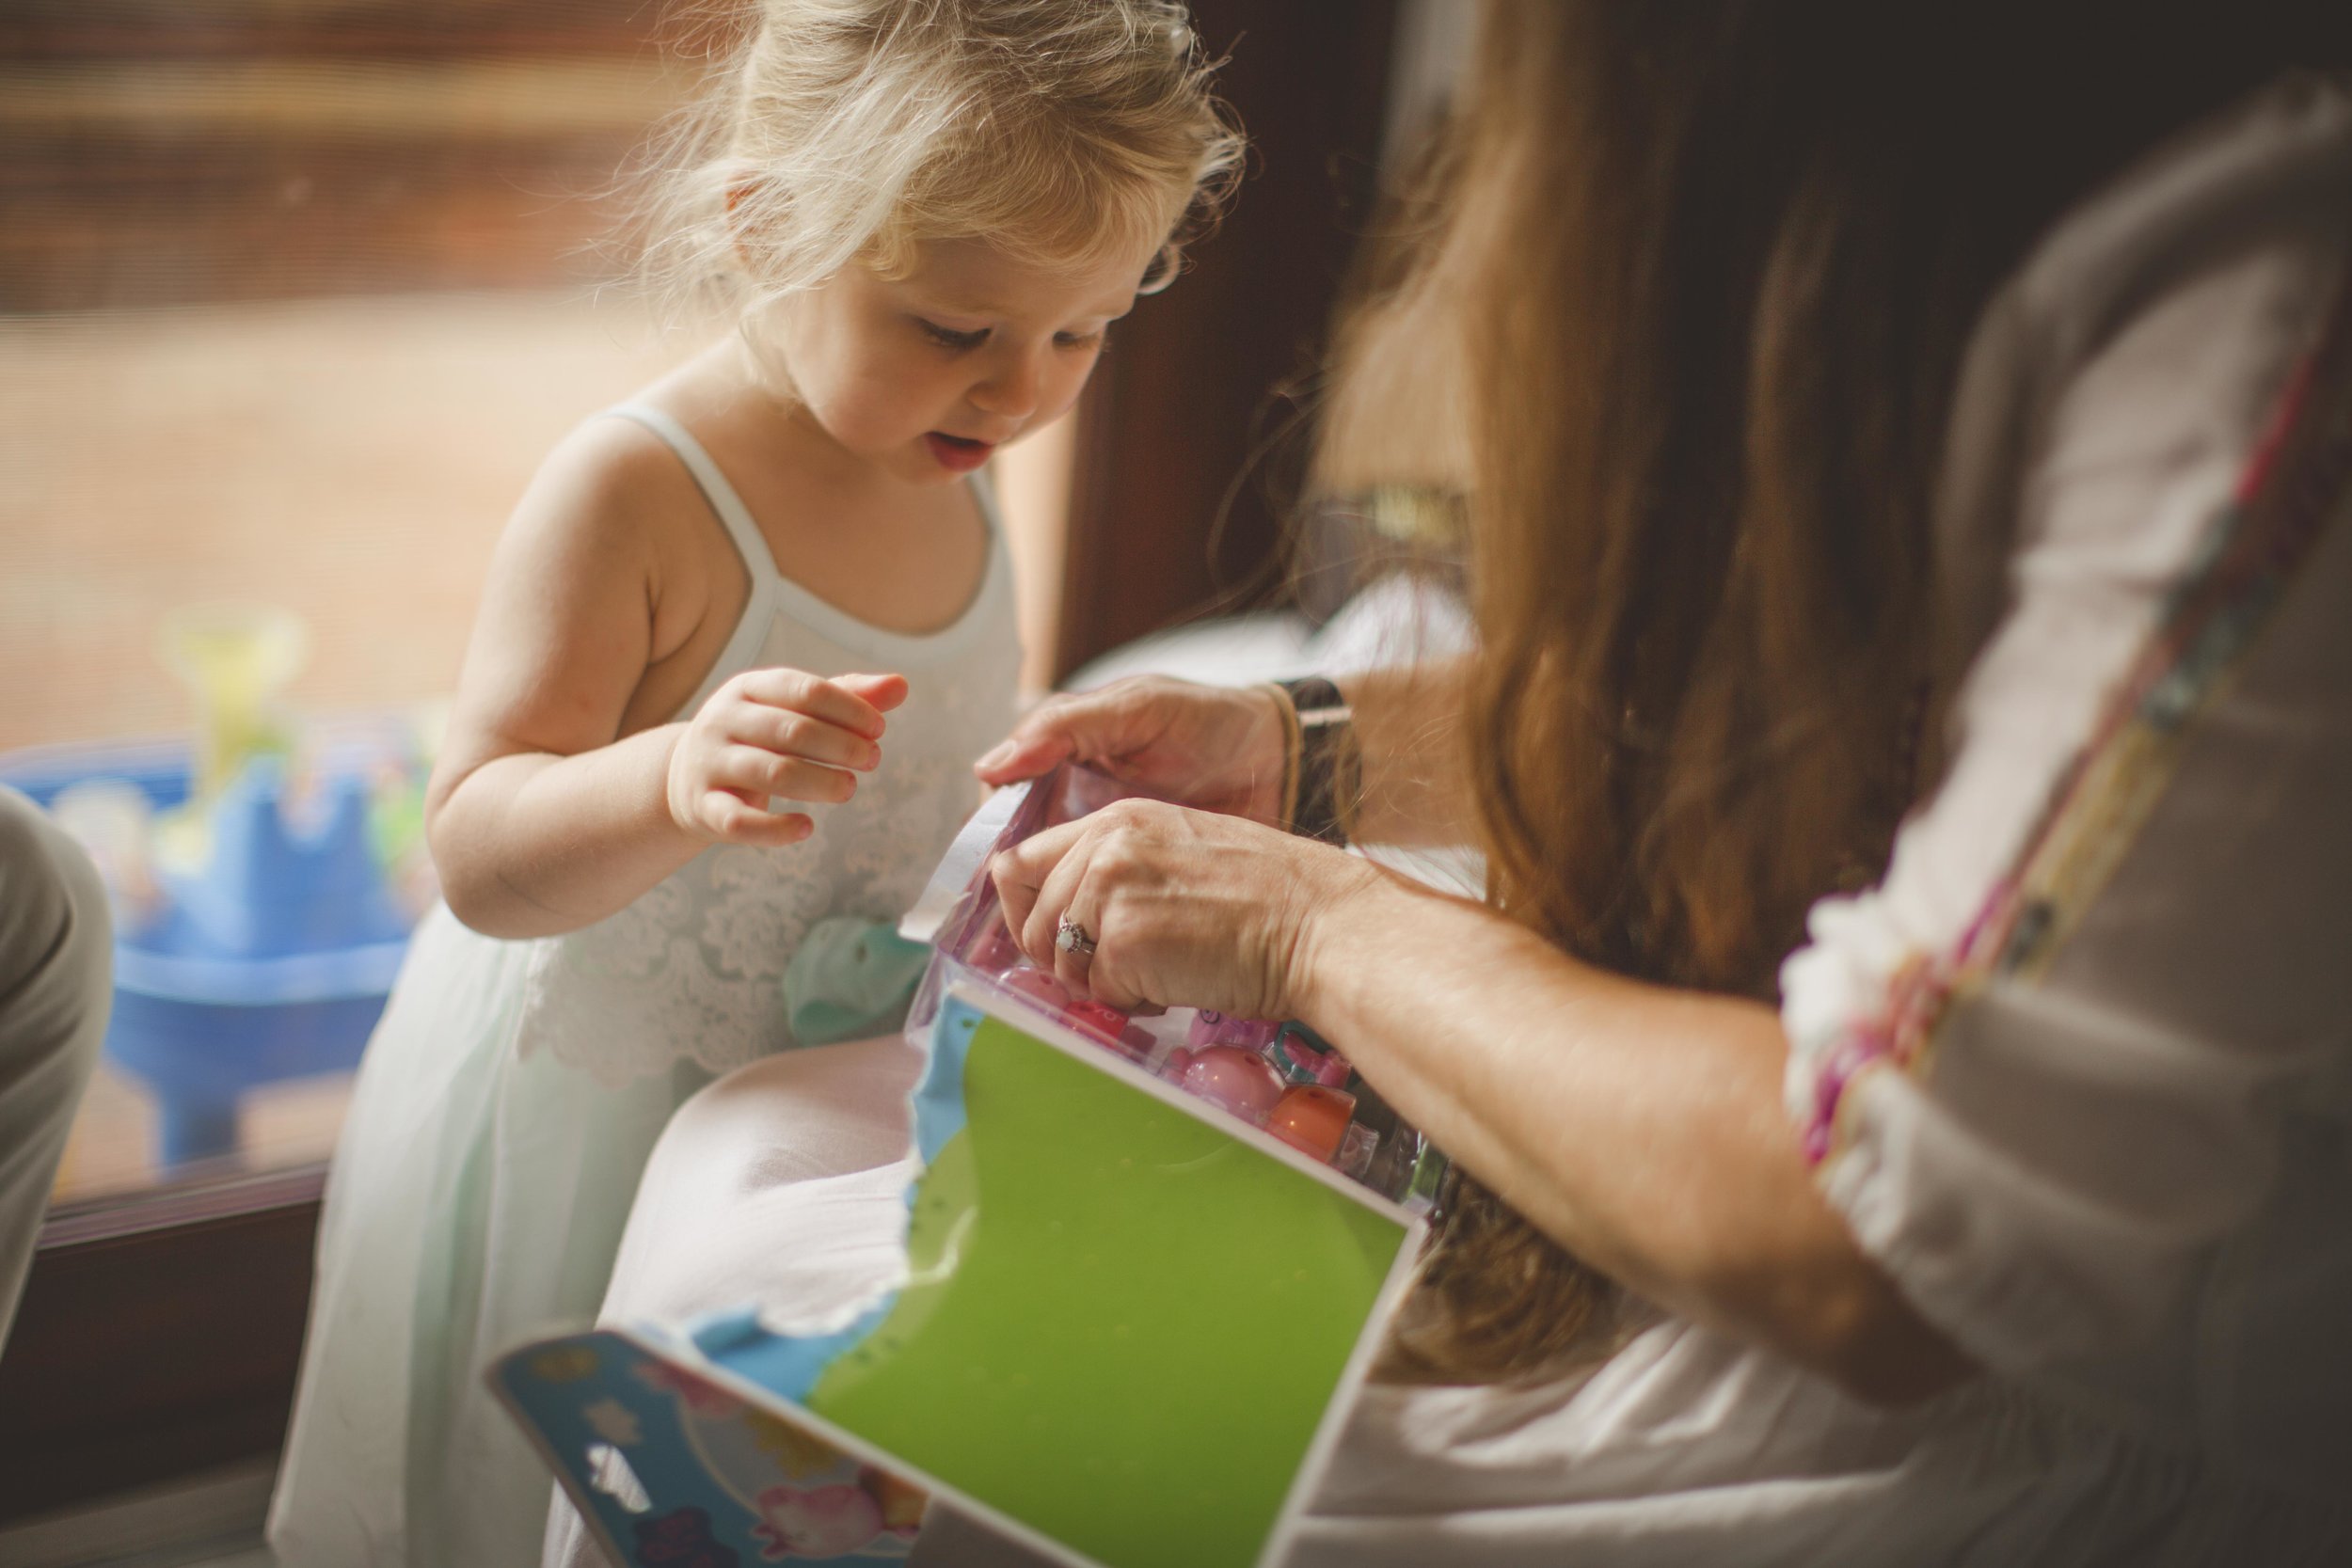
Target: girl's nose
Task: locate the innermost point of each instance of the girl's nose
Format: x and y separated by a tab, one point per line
1012	388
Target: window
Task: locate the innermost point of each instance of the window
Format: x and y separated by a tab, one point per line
294	295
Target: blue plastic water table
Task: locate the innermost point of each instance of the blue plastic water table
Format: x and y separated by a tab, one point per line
270	961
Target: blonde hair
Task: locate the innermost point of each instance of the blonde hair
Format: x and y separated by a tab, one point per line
844	131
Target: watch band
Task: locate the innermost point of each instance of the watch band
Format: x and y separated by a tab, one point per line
1322	788
1286	794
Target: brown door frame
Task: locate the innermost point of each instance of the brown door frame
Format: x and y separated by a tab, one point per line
1188	423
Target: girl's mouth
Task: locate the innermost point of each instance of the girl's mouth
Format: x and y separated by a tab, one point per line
956	453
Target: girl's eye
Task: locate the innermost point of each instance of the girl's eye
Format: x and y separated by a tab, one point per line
1081	339
947	337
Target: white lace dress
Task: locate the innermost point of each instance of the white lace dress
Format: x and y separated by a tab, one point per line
511	1095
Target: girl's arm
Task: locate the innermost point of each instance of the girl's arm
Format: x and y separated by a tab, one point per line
1640	1128
543	815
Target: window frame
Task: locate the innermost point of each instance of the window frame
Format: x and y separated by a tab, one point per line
158	1338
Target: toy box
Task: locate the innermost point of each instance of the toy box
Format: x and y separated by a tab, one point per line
1137	1299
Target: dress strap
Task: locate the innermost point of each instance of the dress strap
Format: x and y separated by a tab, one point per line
774	594
757	557
983	487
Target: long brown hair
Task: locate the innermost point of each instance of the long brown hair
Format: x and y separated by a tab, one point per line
1722	258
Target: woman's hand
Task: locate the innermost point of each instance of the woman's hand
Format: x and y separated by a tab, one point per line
776	733
1221	749
1185	907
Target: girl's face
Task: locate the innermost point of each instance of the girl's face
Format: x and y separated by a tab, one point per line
925	376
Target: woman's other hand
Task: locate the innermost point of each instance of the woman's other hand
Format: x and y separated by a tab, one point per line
776	733
1185	907
1220	748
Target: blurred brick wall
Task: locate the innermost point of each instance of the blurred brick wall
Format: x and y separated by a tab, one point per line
178	151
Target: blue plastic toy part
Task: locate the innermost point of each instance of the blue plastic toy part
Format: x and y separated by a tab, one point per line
201	1060
269	961
271	888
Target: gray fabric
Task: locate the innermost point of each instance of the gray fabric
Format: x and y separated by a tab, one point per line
2252	177
56	968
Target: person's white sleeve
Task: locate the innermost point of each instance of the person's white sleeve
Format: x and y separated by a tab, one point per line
2045	1107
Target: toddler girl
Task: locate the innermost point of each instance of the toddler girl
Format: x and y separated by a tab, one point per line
738	644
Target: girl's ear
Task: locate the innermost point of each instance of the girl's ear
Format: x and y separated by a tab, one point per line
742	214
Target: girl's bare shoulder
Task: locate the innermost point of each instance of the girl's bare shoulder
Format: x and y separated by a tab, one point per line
611	483
614	515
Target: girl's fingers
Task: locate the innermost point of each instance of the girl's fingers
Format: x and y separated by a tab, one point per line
751	771
879	692
736	820
796	735
844	702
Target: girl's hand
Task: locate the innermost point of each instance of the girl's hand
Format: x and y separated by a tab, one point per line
1220	748
776	732
1186	908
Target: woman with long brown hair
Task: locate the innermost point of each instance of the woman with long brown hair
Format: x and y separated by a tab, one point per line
1901	1065
1903	450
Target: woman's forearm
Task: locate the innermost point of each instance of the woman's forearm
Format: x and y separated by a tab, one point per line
1640	1127
531	844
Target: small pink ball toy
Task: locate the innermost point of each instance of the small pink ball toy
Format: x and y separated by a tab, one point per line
1214	1028
1234	1080
1037	985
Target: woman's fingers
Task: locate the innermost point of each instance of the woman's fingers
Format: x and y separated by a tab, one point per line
1019	874
1185	906
1022	756
1060	874
1108	729
1056	901
1056	730
1219	748
1069	893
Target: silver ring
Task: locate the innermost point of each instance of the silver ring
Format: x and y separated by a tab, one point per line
1071	937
